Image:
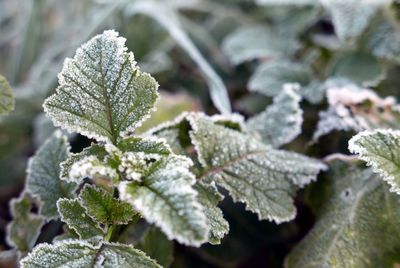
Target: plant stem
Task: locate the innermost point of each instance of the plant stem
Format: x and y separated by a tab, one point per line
109	234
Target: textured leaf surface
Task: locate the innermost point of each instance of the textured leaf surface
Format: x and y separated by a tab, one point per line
166	198
43	179
158	247
24	229
381	150
281	122
358	226
103	207
6	97
145	145
74	215
270	77
78	254
384	42
102	93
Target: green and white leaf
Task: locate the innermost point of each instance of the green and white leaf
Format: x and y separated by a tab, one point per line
148	145
78	254
384	42
158	247
165	197
24	229
75	216
357	227
381	150
102	93
7	101
102	207
43	175
281	122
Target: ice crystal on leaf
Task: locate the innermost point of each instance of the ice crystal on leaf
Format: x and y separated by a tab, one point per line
7	101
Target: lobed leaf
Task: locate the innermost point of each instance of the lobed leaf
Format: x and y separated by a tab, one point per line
7	101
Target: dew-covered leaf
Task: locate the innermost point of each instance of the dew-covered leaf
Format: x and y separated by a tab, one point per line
281	122
43	178
78	254
74	215
270	77
357	227
102	93
165	197
24	229
7	101
381	150
158	247
101	206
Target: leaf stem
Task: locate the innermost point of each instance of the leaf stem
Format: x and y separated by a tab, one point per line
110	232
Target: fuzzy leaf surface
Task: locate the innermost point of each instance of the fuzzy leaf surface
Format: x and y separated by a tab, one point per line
7	101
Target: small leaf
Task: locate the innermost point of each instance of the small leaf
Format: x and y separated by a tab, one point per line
43	178
7	101
380	149
145	145
102	93
74	215
24	229
103	207
158	247
281	122
78	253
166	198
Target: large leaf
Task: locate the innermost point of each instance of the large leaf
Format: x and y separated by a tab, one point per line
6	97
281	122
166	198
43	179
381	150
77	254
102	93
358	225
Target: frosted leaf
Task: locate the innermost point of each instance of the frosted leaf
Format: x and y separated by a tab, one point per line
24	229
7	101
314	92
263	178
171	136
43	175
384	42
166	198
158	247
74	215
150	145
380	149
270	77
209	197
92	167
43	128
358	224
78	254
103	207
281	122
257	41
102	93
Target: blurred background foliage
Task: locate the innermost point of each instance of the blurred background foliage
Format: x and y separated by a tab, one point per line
214	56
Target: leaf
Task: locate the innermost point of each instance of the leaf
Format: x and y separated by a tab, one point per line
78	253
7	101
24	229
384	42
286	2
102	93
166	198
358	226
263	178
158	247
43	175
146	145
102	207
281	122
74	215
379	149
209	197
270	77
257	41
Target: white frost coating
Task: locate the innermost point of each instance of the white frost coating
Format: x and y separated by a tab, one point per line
91	166
380	149
133	164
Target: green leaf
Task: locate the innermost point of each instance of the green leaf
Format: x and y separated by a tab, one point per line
380	149
281	122
263	178
7	101
158	247
257	41
286	2
102	93
24	229
209	197
101	206
270	77
358	225
166	198
43	175
74	215
145	145
384	42
77	254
